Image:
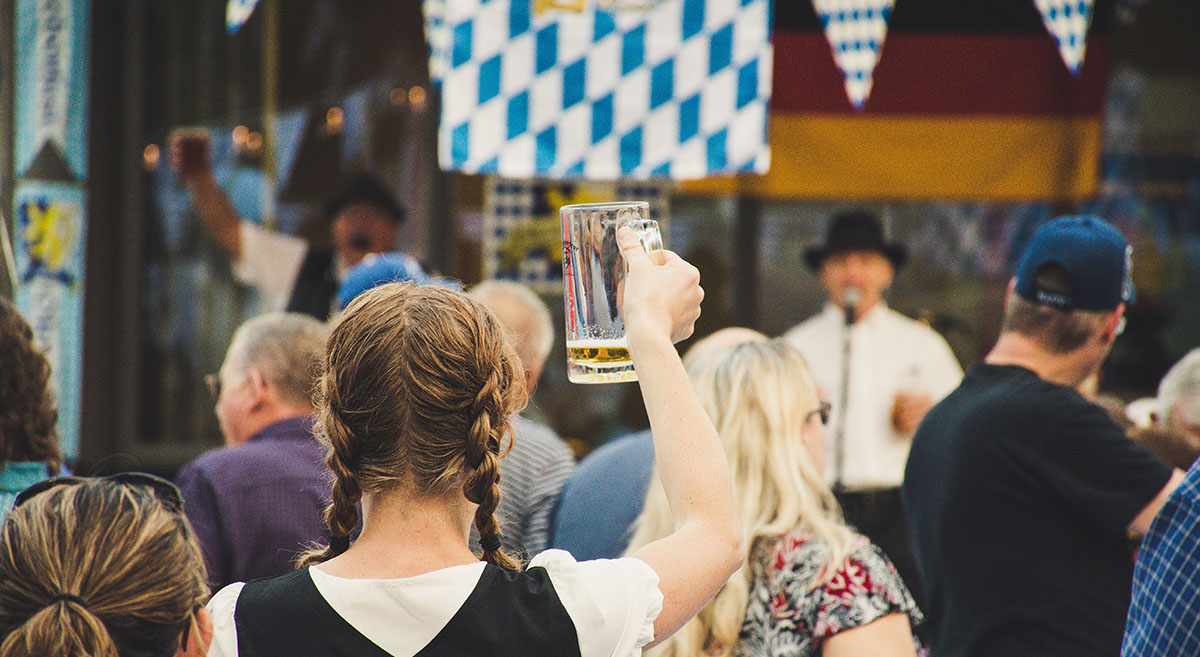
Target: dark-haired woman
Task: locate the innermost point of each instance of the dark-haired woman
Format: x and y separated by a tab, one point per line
28	442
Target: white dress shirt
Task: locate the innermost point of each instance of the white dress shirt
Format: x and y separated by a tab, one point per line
889	354
270	263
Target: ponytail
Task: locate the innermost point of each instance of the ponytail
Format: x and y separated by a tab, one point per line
97	569
63	627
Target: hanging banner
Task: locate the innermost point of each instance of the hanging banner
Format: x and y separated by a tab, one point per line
49	202
676	90
970	101
1067	21
437	38
855	30
51	78
49	231
522	230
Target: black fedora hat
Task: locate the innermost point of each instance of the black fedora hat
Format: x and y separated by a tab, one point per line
855	230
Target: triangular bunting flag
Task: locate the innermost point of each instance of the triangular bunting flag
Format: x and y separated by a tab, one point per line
855	30
1067	21
50	165
237	12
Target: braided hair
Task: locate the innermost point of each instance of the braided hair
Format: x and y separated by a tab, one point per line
418	386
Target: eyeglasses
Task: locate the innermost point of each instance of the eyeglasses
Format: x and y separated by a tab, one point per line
823	410
213	381
164	491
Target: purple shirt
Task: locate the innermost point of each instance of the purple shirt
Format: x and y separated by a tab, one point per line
256	506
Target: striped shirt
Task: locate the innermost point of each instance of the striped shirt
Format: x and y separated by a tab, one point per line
16	477
1164	618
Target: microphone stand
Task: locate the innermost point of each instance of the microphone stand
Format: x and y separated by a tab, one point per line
850	303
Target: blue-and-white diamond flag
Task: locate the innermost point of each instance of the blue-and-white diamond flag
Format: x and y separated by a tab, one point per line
1068	21
855	30
677	90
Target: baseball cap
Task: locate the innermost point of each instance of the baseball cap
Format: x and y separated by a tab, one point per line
1094	256
380	268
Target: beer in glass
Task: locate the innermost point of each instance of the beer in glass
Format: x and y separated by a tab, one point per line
594	282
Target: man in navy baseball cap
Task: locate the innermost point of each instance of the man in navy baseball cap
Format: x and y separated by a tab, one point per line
1093	259
1021	493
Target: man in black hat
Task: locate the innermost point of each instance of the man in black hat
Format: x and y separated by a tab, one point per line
288	272
897	369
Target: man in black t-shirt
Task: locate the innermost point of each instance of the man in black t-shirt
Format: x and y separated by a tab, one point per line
1020	493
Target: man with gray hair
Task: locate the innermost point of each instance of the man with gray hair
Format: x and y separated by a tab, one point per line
533	473
259	501
1179	395
1163	617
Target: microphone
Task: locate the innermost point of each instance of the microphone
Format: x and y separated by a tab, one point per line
851	297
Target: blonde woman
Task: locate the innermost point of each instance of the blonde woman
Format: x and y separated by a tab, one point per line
101	568
811	585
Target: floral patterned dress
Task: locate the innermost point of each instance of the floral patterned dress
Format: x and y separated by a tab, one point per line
784	618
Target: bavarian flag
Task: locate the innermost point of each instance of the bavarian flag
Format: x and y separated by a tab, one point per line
971	100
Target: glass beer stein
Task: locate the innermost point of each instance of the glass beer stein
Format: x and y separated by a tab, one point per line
593	284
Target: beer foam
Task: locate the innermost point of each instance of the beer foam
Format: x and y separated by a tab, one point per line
598	343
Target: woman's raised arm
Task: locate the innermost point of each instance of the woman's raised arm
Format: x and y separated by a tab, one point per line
661	304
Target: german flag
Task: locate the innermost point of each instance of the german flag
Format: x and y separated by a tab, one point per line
971	101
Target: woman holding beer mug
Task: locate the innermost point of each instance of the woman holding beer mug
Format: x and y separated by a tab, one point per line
415	400
812	586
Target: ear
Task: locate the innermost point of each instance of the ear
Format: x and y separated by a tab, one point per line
533	372
1012	291
891	275
257	384
1113	324
201	636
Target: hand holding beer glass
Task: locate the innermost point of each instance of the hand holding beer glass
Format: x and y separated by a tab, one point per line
911	403
189	148
593	280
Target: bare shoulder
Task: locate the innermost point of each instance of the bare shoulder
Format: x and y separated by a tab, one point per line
889	636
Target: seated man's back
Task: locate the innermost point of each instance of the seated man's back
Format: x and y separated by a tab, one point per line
256	506
603	497
259	501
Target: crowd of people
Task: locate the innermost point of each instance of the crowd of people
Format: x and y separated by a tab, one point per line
841	490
